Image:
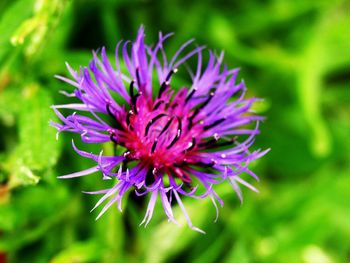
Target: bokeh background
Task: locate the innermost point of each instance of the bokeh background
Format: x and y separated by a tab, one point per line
294	54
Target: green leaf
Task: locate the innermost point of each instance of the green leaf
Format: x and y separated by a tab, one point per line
22	175
37	145
9	105
10	20
37	28
89	251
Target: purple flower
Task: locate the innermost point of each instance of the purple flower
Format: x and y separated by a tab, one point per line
183	143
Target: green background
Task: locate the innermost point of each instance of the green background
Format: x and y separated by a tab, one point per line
294	54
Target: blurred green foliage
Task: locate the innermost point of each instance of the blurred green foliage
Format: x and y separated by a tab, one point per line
295	54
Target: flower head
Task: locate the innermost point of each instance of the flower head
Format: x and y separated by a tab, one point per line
183	143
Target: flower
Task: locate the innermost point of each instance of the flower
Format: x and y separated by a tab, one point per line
183	142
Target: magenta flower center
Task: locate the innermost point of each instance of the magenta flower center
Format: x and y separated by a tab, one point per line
163	133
